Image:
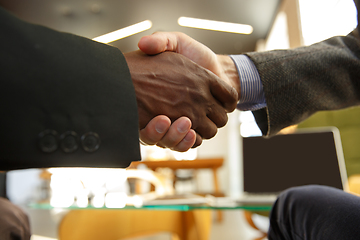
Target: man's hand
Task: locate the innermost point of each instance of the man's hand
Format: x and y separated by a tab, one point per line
177	136
178	42
172	85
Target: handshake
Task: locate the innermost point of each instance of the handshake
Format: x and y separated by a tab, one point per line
183	90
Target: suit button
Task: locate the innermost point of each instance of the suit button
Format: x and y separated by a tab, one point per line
69	142
90	141
48	141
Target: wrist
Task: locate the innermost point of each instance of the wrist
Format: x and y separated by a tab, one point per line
229	72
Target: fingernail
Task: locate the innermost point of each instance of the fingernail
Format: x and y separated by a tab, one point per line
160	127
183	126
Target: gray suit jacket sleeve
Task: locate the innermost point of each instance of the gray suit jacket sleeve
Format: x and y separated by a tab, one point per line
65	100
302	81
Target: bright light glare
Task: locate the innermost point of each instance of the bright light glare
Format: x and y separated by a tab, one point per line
190	154
63	190
248	126
215	25
155	153
98	201
116	200
82	199
124	32
278	36
322	19
249	130
61	199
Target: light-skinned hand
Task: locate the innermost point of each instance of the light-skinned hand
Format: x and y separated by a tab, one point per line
177	136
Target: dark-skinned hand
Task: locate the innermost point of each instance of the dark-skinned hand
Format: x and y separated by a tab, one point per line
172	85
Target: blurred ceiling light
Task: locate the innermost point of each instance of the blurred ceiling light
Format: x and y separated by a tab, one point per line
124	32
215	25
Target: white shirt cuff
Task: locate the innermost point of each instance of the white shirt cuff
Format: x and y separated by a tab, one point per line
252	94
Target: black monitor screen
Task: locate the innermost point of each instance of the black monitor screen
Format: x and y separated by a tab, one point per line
277	163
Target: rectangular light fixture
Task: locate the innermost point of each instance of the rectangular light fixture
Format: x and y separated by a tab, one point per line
124	32
215	25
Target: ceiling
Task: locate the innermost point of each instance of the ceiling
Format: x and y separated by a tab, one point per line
94	18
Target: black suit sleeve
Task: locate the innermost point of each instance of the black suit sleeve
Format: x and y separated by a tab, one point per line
65	100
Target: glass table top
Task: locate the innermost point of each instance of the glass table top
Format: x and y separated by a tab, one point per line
182	207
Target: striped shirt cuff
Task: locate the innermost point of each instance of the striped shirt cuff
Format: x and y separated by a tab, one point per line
252	95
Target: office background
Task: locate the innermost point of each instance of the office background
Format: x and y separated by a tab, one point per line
276	24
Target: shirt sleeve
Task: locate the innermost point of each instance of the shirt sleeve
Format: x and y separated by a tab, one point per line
252	95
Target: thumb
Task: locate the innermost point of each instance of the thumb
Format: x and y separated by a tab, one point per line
181	43
158	42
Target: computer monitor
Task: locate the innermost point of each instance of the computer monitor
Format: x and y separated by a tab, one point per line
274	164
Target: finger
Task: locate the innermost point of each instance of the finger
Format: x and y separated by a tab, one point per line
217	115
198	141
155	130
187	142
225	93
176	133
158	42
206	129
181	43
